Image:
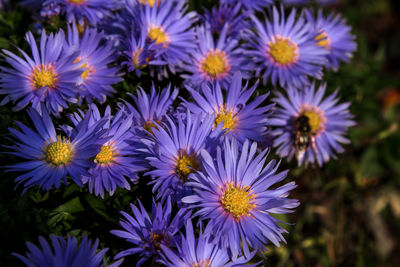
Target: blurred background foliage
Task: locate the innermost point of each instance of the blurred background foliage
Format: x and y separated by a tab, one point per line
350	208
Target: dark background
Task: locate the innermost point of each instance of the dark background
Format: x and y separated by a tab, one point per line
350	208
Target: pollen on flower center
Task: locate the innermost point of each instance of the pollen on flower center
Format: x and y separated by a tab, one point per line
105	156
88	69
227	118
323	40
77	1
215	63
44	76
237	201
58	152
283	51
186	164
316	118
150	2
156	239
202	263
158	34
150	124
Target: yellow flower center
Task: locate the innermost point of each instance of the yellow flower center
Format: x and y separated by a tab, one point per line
323	40
149	125
158	34
238	201
316	118
58	152
105	156
77	2
186	164
135	59
88	69
44	76
227	118
150	2
202	263
215	63
283	51
156	240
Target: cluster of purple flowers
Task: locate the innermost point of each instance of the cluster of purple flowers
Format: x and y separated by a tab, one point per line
206	154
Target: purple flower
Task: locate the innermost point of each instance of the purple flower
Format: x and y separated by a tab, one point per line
201	251
286	50
49	78
65	253
240	118
335	36
250	5
215	61
310	127
175	152
233	193
94	59
50	157
148	234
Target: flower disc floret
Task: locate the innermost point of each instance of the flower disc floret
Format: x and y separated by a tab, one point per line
105	156
77	2
58	152
158	34
44	75
283	50
227	118
215	63
316	118
202	263
323	40
186	164
237	200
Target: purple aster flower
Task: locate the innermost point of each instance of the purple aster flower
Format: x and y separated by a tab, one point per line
94	59
116	160
286	50
149	234
176	152
233	193
215	61
91	11
294	2
139	53
50	157
335	36
226	14
50	77
240	118
65	253
199	252
250	5
167	25
308	126
150	109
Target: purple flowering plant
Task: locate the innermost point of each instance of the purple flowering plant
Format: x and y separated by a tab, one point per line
171	133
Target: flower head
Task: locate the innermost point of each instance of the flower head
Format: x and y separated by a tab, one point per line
91	11
65	253
50	157
286	50
233	192
215	61
240	118
199	252
310	127
49	77
175	153
335	36
94	59
116	163
148	234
